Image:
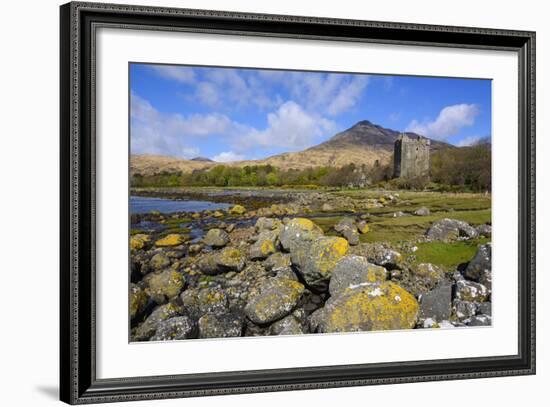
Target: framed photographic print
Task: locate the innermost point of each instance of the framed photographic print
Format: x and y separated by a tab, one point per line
255	203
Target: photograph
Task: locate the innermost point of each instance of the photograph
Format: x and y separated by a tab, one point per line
285	202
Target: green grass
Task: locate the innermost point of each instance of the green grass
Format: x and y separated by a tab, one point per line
412	227
447	255
136	231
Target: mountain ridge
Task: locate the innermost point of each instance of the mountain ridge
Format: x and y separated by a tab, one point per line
362	143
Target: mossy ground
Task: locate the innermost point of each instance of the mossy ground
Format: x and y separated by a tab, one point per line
447	255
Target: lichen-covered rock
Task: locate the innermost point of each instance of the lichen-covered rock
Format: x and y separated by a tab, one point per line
264	246
286	273
263	224
138	242
484	230
297	231
348	229
372	307
316	261
216	238
148	327
363	227
165	285
218	214
237	210
277	261
159	261
479	320
447	230
471	291
479	268
231	259
290	325
276	299
429	273
436	304
423	211
353	271
138	300
220	326
462	310
382	255
200	301
175	328
173	239
227	259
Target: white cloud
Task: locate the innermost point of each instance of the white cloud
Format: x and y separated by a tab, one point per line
469	141
228	156
289	127
181	74
154	132
347	96
449	122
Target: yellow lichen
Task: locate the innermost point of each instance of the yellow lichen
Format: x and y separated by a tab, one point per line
237	210
364	228
267	247
384	306
170	240
138	241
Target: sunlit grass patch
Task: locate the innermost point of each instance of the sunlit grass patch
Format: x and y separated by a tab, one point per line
447	255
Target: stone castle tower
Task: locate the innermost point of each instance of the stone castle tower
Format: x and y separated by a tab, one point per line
411	157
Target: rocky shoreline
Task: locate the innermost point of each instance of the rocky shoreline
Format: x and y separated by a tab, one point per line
269	270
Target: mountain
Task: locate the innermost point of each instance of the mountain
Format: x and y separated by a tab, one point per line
363	143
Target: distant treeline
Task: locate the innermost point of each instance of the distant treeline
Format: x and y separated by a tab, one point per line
451	169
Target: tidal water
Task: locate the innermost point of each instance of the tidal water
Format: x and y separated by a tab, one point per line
142	204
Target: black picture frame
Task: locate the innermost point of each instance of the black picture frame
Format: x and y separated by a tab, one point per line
78	382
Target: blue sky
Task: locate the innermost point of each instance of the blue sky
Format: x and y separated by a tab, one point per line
229	114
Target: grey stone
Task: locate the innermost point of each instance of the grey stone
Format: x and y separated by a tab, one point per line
216	238
220	326
423	211
276	299
436	304
174	329
353	271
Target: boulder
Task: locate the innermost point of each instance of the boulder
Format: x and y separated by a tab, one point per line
227	259
297	231
382	255
316	261
479	320
399	214
264	246
353	271
175	328
462	310
363	227
277	261
231	259
372	307
436	304
165	285
220	326
430	274
173	239
345	223
423	211
159	261
237	210
450	229
138	300
138	242
479	268
276	299
216	238
290	325
200	301
484	230
147	329
471	291
263	224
